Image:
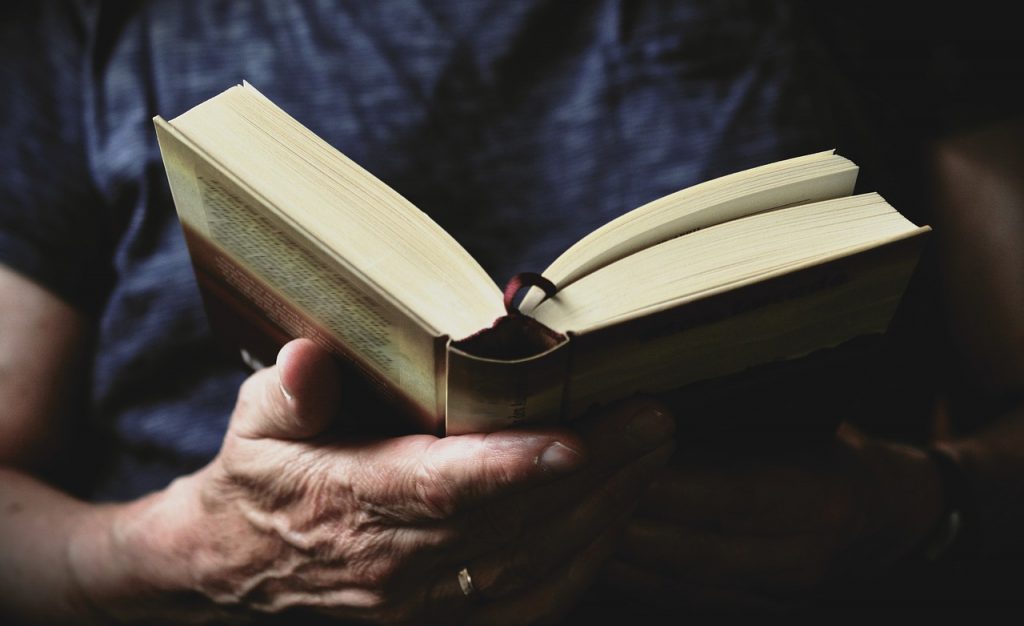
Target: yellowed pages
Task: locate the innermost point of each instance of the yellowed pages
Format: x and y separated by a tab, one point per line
253	264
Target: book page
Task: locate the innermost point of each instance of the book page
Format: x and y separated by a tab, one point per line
280	259
329	199
799	180
260	266
723	257
789	316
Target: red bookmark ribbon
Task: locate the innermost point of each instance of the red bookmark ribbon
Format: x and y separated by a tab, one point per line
526	279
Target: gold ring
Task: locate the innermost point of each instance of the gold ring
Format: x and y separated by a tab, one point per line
466	582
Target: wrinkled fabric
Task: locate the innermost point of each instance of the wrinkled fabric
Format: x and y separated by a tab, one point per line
518	126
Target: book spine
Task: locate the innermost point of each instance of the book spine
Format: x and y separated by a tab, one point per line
488	394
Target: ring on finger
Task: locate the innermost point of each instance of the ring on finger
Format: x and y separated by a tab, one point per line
466	583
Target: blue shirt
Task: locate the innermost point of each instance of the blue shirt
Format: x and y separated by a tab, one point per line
518	126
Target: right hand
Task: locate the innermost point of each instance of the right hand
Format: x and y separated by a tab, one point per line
287	518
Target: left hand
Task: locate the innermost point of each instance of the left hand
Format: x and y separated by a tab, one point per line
763	530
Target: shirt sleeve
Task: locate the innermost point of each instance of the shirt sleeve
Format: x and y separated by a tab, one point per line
53	225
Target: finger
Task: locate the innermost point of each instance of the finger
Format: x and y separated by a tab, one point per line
482	532
422	480
763	501
295	399
449	530
551	596
448	598
784	563
624	431
512	568
615	438
664	595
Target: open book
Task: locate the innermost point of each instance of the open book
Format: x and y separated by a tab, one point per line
288	237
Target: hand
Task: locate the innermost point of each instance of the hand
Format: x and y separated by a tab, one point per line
765	530
285	518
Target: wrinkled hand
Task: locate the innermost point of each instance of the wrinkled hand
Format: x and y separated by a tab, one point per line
765	530
378	530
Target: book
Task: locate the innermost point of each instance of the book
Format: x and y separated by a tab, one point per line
288	237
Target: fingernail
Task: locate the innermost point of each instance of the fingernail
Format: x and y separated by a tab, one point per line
650	427
284	390
559	457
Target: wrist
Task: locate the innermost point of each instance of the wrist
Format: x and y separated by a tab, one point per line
131	562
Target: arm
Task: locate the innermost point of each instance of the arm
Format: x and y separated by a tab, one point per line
41	341
763	533
287	518
980	228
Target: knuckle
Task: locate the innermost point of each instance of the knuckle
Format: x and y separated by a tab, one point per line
440	538
434	491
373	605
250	391
373	585
257	403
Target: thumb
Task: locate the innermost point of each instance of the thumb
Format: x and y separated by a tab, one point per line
421	477
295	399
